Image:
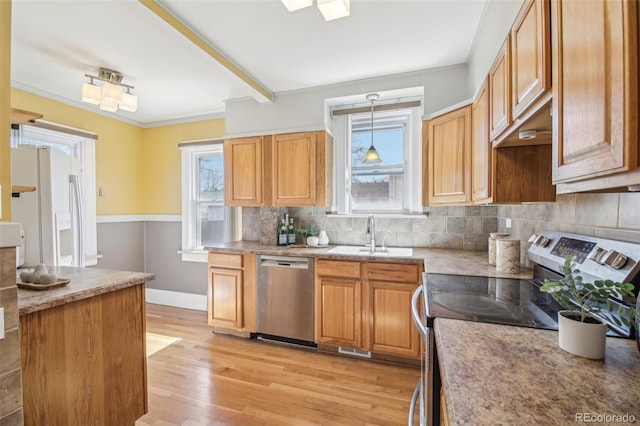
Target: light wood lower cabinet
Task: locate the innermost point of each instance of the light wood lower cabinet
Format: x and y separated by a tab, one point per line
231	292
367	306
84	362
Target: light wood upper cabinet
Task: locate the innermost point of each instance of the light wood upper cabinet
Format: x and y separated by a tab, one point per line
500	91
243	160
290	170
301	173
481	147
530	55
448	175
231	292
595	90
294	169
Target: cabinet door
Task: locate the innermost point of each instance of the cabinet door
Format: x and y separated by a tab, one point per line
595	93
225	297
393	331
449	157
339	311
243	171
481	147
530	55
294	169
500	91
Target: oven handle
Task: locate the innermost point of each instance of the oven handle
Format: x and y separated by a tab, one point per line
412	407
414	311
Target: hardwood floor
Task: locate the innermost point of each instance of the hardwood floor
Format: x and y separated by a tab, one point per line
215	379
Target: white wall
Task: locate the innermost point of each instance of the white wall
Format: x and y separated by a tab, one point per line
496	22
305	109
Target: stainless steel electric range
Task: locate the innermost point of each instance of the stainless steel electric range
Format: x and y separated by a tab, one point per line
515	302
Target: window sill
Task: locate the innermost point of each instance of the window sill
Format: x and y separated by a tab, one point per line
201	256
423	215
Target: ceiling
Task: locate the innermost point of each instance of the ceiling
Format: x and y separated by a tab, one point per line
56	42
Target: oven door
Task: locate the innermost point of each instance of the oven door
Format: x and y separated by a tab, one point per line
422	394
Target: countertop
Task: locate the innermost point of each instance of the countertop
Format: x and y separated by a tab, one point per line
496	374
85	283
436	260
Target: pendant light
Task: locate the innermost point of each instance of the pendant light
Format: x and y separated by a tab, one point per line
372	155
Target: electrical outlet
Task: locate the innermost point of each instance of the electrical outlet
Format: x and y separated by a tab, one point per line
507	223
1	323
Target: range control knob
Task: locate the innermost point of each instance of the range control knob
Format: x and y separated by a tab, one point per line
599	255
615	259
542	241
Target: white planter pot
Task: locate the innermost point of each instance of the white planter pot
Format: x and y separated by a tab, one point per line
584	339
312	241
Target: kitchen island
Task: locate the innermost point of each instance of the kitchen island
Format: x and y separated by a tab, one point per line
82	349
497	374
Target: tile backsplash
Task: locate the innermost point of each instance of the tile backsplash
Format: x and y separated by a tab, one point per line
615	216
444	227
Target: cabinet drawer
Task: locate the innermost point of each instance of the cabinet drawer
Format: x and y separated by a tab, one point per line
397	272
226	260
338	268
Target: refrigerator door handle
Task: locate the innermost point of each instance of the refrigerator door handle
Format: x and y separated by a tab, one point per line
417	393
74	181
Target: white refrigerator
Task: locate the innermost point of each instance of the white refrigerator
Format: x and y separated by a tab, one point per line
52	215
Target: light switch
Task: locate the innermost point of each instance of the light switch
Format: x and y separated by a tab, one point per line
1	323
507	223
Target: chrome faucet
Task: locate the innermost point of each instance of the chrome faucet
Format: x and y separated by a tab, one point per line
371	229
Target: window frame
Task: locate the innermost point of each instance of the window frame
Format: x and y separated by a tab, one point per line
191	152
412	176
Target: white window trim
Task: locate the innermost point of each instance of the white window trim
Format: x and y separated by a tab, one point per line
190	154
412	191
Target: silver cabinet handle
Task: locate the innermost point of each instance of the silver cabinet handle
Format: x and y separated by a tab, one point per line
412	406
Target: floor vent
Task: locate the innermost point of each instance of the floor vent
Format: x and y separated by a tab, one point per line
354	352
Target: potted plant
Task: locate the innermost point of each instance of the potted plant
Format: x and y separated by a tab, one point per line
310	235
582	328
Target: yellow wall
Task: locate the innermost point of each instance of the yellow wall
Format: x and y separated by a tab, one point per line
137	168
162	176
119	157
5	114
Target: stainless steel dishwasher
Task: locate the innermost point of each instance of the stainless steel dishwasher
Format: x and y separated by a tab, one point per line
285	299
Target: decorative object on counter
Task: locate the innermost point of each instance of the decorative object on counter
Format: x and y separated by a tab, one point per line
31	286
310	235
40	275
582	328
323	239
282	233
508	255
291	233
492	245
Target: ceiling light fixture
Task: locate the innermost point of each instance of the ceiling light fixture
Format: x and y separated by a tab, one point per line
110	96
372	155
330	9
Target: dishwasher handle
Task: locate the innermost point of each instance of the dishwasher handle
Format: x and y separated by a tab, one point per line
284	262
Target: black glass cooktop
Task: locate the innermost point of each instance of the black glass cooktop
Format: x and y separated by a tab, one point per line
492	300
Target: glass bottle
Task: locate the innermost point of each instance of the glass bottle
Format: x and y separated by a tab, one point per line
282	233
292	233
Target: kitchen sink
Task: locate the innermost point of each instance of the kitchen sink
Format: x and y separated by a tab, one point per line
364	251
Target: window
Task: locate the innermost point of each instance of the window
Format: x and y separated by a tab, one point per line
394	184
205	219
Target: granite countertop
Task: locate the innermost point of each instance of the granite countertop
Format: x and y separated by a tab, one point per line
85	283
496	374
436	260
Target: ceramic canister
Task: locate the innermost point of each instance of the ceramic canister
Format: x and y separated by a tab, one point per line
508	255
492	245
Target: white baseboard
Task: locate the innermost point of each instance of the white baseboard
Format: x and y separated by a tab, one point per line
177	299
